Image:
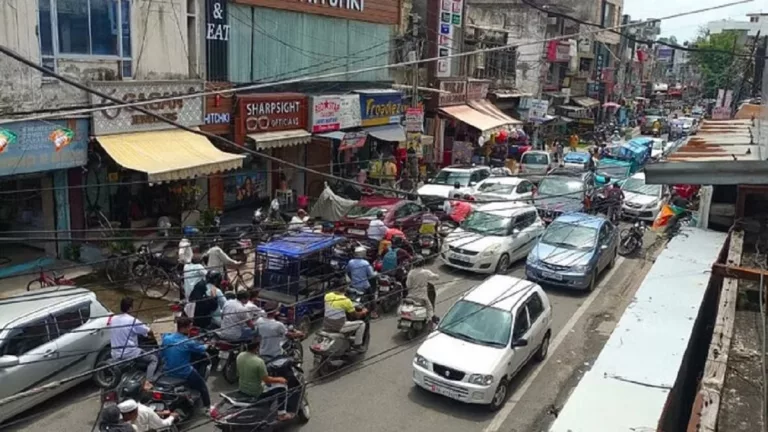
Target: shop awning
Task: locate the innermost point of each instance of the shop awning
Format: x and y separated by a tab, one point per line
487	107
169	155
571	108
336	135
391	133
586	102
270	140
474	118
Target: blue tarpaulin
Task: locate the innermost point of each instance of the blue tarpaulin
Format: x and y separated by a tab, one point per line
300	244
577	157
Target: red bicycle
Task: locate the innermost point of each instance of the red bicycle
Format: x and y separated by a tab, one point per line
45	280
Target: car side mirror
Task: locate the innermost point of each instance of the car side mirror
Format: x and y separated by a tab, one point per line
7	361
522	342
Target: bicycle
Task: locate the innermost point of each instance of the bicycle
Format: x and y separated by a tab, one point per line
244	280
45	280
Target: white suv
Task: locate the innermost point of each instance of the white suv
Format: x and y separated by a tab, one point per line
486	337
443	184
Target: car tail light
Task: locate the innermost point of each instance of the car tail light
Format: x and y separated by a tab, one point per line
215	413
109	397
157	396
176	307
194	331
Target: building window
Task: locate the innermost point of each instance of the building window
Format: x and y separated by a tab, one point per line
609	15
753	19
73	28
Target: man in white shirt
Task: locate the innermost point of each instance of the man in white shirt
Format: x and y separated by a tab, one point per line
218	259
299	221
236	321
377	230
417	283
194	272
273	333
144	418
253	307
124	332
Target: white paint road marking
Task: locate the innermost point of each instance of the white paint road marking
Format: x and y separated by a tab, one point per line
501	416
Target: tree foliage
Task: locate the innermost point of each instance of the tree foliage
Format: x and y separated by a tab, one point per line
718	62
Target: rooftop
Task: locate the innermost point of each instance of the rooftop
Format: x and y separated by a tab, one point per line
500	291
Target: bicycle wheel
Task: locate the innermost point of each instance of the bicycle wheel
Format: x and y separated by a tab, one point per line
245	281
35	284
155	283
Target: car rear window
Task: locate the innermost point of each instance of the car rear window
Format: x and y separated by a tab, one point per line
359	211
535	159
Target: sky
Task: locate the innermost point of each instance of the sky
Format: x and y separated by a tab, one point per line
686	28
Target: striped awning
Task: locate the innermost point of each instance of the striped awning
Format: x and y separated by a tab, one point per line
270	140
488	108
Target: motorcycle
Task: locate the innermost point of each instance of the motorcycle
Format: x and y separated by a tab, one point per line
238	412
333	350
109	377
390	293
429	244
225	363
632	239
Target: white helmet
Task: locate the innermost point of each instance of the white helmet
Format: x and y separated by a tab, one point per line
360	252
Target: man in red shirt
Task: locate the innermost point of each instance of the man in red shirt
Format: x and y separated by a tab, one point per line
460	210
396	231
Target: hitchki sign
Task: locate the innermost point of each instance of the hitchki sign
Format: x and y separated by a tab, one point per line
187	112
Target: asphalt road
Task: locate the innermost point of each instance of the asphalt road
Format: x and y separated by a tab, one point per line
378	394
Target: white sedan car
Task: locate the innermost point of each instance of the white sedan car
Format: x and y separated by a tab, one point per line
504	188
484	340
493	237
642	201
659	148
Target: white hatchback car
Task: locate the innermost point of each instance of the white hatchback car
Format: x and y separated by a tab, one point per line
641	200
492	237
504	188
49	335
486	337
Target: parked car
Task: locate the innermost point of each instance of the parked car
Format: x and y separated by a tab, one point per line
577	160
641	200
355	223
564	191
689	125
493	237
484	340
535	164
504	188
573	251
442	184
38	334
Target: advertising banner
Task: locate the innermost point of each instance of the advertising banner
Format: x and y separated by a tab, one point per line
380	108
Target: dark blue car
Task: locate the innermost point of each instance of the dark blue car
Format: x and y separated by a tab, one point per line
574	250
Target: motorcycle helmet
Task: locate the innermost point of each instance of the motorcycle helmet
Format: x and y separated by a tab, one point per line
380	214
214	278
360	252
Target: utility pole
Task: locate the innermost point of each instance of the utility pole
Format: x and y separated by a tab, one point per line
738	95
416	54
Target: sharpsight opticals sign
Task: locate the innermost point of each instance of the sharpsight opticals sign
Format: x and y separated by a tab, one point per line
273	112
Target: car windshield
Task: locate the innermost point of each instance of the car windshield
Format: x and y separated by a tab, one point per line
570	236
478	324
638	186
496	187
359	211
486	223
535	159
451	177
561	186
612	170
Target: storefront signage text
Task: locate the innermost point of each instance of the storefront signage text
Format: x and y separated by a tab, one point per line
453	93
450	14
380	109
273	112
188	111
353	140
356	5
217	27
217	31
34	149
375	11
217	118
324	113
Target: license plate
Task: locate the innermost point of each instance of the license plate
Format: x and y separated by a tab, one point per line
356	232
460	258
426	252
445	392
334	263
554	276
223	355
404	324
157	407
383	288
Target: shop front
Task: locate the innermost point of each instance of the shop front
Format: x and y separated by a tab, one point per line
219	110
585	119
381	114
39	161
338	144
149	169
468	126
276	124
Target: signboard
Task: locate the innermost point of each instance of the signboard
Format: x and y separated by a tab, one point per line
538	110
376	11
272	112
413	142
353	140
558	52
37	146
379	108
217	40
414	119
720	97
450	19
721	113
456	92
349	115
218	109
664	54
324	113
188	112
477	90
728	98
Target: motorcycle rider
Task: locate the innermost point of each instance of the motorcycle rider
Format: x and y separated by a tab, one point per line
299	221
455	194
111	420
273	333
206	301
341	316
144	418
377	229
459	209
614	197
177	349
418	286
254	379
253	306
236	320
124	330
396	256
218	259
360	272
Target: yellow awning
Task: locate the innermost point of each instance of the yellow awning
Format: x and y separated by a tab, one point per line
169	155
269	140
474	118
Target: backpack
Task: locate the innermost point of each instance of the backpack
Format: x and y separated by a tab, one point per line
389	261
205	304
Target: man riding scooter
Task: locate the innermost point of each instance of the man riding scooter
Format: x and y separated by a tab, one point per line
341	316
418	283
361	274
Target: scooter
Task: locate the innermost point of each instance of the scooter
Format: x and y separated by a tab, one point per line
412	313
333	350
